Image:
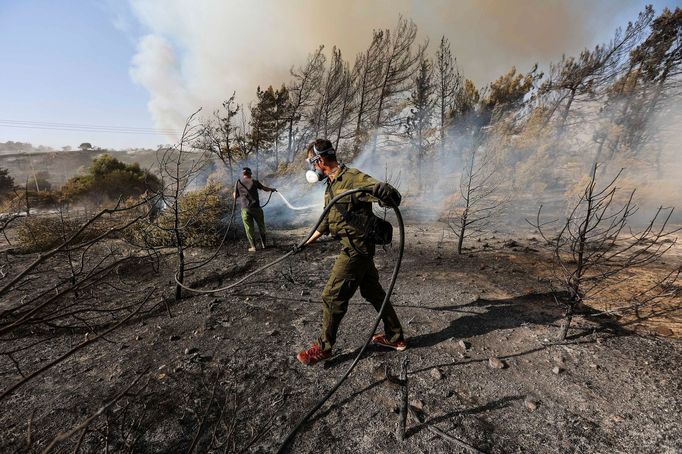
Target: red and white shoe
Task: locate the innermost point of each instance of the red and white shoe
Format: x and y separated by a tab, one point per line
313	355
380	339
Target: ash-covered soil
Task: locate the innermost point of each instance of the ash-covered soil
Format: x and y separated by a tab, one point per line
217	373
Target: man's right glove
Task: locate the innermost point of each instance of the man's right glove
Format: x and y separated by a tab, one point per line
386	193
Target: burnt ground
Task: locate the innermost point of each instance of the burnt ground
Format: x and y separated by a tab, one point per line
218	372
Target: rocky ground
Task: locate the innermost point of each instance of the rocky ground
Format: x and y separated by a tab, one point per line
217	373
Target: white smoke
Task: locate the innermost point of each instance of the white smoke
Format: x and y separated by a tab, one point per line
155	67
197	54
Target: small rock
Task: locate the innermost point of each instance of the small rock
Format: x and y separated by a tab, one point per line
496	363
617	419
559	359
511	243
274	332
464	344
137	338
174	337
305	292
530	404
177	369
483	266
189	351
437	374
417	405
557	370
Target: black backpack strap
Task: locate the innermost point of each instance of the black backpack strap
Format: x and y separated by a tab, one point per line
248	195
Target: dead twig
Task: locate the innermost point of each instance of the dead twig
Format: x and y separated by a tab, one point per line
82	426
77	348
402	415
195	440
435	430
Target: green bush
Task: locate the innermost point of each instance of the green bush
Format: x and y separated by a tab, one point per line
108	179
201	215
6	182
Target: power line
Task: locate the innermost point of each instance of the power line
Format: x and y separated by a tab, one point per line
84	127
81	130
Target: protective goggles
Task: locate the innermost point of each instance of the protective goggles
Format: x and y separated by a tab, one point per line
314	160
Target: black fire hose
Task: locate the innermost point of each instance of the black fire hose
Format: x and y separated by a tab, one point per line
394	277
299	247
303	245
194	266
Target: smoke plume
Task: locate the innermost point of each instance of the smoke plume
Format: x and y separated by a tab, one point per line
197	53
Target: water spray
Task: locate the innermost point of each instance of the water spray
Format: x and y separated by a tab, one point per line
307	207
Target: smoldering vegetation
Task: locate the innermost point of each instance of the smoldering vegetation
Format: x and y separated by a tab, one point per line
580	163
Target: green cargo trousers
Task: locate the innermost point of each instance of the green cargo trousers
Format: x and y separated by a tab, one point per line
349	273
248	216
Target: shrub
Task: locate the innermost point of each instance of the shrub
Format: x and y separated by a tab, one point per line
6	182
201	215
108	179
41	234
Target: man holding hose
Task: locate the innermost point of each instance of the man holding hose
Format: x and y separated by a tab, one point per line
246	189
354	267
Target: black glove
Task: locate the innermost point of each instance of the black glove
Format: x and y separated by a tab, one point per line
386	193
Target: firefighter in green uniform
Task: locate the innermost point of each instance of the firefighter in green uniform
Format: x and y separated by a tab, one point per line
246	190
354	267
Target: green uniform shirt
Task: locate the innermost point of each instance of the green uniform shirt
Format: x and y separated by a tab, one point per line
334	224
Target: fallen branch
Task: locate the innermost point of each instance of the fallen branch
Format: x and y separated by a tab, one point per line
435	430
42	257
195	440
82	426
80	346
402	415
